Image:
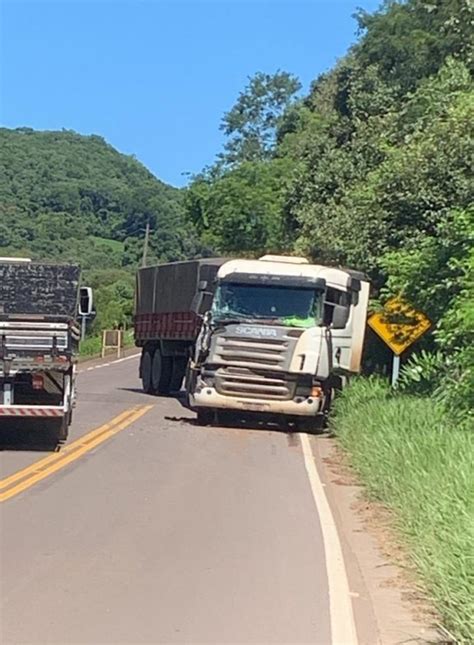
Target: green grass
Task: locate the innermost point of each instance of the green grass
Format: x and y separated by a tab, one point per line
115	245
418	463
92	345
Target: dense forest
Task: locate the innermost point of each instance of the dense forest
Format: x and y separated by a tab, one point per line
67	197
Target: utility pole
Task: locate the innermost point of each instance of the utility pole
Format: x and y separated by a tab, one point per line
145	244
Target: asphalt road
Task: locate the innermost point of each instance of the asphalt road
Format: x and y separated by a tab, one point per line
154	530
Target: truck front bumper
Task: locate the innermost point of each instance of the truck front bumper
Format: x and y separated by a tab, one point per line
208	397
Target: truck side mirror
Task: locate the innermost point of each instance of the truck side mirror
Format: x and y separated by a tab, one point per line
340	316
86	301
202	286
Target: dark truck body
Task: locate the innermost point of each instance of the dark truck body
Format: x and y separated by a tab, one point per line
170	300
39	338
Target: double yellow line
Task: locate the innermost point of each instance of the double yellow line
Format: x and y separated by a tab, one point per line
23	479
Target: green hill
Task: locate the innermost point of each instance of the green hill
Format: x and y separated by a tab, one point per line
61	193
68	197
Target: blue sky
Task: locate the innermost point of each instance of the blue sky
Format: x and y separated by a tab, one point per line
154	77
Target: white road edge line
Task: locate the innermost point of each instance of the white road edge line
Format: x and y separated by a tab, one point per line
118	360
343	629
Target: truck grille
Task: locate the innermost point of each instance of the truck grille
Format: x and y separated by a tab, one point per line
237	381
252	353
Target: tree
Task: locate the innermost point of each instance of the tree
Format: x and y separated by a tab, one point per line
252	123
241	212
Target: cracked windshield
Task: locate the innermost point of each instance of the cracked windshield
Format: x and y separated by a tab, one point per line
290	306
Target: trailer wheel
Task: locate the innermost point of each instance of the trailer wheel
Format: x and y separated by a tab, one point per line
146	371
178	373
161	373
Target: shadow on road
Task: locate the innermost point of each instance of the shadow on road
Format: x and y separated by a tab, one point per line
27	435
135	390
235	420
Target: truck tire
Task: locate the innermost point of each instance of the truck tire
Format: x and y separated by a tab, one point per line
312	425
63	430
205	417
59	429
147	360
178	373
161	373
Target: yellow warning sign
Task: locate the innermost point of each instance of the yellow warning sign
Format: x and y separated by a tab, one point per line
399	325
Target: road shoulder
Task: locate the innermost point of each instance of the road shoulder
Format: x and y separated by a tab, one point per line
388	607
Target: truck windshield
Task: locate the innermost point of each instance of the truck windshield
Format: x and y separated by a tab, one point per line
291	306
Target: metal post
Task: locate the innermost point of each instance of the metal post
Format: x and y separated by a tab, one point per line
395	369
83	327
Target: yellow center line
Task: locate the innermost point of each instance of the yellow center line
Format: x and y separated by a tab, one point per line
41	463
45	467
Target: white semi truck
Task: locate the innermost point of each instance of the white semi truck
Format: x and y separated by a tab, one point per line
275	336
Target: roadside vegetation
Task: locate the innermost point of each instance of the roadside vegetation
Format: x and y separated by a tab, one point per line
416	459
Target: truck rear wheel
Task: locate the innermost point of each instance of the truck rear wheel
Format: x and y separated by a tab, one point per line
161	373
59	429
147	361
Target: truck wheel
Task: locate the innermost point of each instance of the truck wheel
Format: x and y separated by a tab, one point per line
178	373
63	430
204	417
59	429
312	425
161	373
147	360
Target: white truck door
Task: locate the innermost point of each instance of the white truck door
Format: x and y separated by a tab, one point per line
346	312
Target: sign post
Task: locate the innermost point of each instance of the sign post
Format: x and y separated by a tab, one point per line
395	369
399	325
83	326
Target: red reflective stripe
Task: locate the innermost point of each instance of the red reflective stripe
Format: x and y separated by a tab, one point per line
30	412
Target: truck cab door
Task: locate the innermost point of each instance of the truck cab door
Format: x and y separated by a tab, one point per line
345	312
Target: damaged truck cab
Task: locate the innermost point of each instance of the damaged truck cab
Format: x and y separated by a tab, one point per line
280	336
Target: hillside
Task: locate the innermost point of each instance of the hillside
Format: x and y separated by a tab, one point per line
64	196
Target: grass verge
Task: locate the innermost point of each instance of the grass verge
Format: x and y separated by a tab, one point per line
411	457
92	345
